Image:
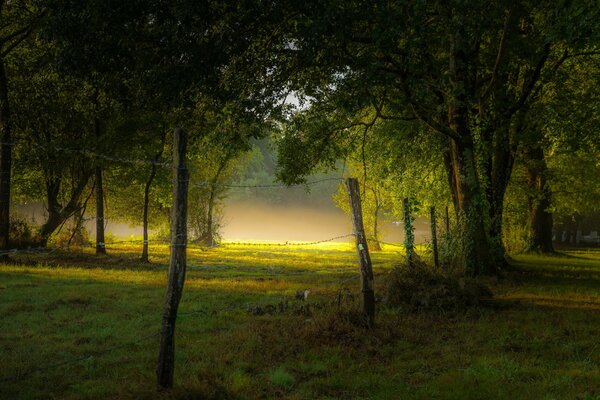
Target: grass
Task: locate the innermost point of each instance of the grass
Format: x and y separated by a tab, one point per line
542	344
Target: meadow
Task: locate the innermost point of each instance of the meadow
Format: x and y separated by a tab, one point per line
74	325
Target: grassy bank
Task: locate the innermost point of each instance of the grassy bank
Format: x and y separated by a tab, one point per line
88	324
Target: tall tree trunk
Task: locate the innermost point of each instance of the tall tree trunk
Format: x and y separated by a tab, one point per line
541	220
374	244
469	192
451	176
5	161
144	257
471	200
100	245
156	159
498	174
209	233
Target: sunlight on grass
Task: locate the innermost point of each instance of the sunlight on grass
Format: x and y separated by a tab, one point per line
71	305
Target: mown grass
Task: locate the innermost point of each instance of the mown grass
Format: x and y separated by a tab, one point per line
543	343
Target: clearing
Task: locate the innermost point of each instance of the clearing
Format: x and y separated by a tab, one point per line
77	325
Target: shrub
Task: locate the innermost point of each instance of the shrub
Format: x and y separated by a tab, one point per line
73	234
423	287
516	238
22	233
450	249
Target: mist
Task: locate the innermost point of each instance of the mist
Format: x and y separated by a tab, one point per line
301	217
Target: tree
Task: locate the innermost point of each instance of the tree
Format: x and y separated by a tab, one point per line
464	70
19	20
52	131
563	120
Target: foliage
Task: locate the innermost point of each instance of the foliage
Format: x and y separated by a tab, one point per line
410	207
425	288
450	244
23	233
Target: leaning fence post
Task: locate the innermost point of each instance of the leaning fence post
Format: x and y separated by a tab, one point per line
434	243
409	236
177	262
367	298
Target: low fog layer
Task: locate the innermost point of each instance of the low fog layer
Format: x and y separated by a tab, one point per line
261	220
247	221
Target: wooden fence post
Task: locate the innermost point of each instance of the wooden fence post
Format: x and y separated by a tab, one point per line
367	298
177	262
434	243
409	237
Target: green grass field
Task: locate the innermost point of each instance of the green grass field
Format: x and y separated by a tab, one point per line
73	317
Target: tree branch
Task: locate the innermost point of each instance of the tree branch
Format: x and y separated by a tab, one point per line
531	84
499	55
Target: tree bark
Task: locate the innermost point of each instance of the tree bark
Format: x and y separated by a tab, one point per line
539	195
471	200
57	213
100	244
5	161
144	258
375	245
209	231
498	175
209	238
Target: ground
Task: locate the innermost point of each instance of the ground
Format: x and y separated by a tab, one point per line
77	325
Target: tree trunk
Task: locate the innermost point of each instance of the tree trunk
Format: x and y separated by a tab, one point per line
58	214
539	201
469	193
100	245
498	178
375	245
209	239
144	257
5	161
209	231
451	177
471	200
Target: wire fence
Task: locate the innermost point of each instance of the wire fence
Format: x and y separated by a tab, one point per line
52	250
264	186
185	314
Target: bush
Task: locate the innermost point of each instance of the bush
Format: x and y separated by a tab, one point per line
450	249
22	233
73	234
516	238
422	287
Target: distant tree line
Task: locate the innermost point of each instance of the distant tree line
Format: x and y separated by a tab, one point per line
491	108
